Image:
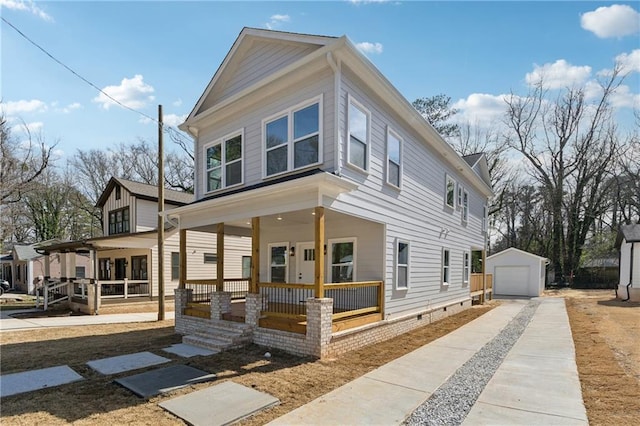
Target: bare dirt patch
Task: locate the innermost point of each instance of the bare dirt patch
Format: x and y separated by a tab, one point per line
98	401
606	334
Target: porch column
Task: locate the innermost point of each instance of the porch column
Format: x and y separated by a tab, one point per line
255	255
71	273
64	273
319	249
220	257
47	267
183	259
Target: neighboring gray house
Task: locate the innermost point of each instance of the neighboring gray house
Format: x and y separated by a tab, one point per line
628	243
363	218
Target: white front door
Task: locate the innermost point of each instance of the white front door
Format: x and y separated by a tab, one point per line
305	263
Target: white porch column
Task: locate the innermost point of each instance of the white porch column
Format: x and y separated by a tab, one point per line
72	265
47	267
64	272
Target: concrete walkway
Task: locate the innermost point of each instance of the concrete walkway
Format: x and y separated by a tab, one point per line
536	384
7	323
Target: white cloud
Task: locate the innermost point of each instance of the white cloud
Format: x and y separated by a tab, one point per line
24	128
617	20
558	75
277	20
66	110
132	92
22	106
481	108
26	6
174	120
367	47
624	98
177	103
629	62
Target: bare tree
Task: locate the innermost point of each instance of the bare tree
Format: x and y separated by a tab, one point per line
21	163
569	144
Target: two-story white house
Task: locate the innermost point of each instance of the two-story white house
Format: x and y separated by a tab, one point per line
363	219
125	259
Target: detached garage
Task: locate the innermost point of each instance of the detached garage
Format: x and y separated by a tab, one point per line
517	273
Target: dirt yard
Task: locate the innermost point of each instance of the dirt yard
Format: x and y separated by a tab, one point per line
608	363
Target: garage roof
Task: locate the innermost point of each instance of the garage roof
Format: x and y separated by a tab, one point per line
512	250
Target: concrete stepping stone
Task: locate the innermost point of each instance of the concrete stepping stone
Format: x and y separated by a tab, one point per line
188	351
27	381
122	363
221	404
163	380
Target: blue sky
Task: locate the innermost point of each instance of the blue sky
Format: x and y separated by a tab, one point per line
146	53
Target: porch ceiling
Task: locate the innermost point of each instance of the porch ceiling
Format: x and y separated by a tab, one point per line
291	201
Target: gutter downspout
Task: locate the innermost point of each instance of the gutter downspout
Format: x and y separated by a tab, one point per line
630	273
619	270
336	119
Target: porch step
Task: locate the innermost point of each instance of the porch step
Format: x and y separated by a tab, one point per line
220	335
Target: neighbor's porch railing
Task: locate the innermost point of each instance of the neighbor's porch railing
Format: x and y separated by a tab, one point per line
284	305
52	293
123	289
201	289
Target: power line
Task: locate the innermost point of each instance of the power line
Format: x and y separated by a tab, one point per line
155	120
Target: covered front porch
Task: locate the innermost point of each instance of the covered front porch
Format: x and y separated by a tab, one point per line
313	270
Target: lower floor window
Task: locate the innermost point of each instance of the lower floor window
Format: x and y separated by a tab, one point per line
446	269
466	267
342	257
402	264
175	266
278	262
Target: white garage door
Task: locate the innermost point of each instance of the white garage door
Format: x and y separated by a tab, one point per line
512	280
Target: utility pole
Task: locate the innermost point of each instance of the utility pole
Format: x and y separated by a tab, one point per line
160	218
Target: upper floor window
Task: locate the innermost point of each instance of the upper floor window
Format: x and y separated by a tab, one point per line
292	140
449	191
465	205
359	135
485	217
223	162
118	192
119	221
394	158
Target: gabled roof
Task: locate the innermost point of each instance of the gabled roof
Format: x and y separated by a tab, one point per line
515	250
242	44
331	49
145	191
628	233
479	164
25	252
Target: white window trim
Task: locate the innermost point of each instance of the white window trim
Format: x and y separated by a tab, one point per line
466	267
465	206
290	141
329	263
449	178
361	107
395	134
443	266
286	259
221	141
485	217
397	264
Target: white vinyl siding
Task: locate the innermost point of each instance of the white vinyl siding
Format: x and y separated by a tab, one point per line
292	139
358	149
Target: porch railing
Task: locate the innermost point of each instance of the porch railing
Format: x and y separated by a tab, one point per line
123	289
201	289
287	302
52	293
